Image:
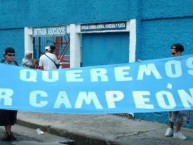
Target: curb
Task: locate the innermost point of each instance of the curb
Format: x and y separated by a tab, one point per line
80	138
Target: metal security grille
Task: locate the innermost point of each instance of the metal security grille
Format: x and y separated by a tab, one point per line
62	44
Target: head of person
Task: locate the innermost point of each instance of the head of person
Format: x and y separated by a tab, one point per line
9	54
177	49
28	55
50	49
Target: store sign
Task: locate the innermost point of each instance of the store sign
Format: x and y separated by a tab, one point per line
49	31
104	26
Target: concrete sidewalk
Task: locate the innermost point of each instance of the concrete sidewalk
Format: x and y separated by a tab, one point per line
103	129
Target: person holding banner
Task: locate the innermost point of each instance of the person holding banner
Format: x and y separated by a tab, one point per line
8	117
177	117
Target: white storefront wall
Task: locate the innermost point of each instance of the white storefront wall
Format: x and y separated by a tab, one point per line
75	41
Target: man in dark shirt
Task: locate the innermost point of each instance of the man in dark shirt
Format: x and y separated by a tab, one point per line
8	117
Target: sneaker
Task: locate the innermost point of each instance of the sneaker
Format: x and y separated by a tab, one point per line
169	132
179	135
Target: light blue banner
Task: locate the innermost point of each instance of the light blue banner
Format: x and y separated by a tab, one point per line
147	86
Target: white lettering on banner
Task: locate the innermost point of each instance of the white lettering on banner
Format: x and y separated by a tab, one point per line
162	96
28	75
47	78
164	99
35	95
186	98
112	97
189	64
74	76
99	73
123	74
62	99
173	69
148	70
141	99
40	99
6	95
87	97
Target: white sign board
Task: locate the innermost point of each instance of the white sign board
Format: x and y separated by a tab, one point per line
49	31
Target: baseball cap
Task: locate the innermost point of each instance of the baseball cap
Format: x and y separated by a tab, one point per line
47	48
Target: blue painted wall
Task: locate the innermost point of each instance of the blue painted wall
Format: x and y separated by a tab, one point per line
159	35
154	9
12	38
161	117
163	23
13	14
50	12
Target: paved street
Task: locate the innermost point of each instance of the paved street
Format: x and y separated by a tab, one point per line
27	136
92	130
102	129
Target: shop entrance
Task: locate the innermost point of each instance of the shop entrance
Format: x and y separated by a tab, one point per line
62	44
105	48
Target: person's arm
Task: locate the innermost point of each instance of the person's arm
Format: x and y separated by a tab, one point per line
40	64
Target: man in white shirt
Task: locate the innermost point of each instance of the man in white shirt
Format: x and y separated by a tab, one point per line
48	60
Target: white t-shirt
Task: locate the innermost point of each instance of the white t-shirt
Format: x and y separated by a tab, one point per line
46	62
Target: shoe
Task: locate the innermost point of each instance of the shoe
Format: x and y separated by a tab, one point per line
179	135
13	138
169	132
6	137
